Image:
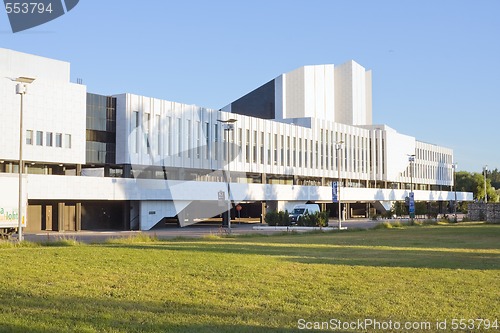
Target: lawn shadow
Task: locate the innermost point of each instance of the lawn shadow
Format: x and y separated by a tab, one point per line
60	314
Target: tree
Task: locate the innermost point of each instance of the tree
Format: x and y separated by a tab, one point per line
494	176
474	182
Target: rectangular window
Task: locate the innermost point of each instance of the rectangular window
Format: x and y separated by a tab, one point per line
135	126
232	138
322	153
198	139
146	124
216	139
255	160
300	153
288	148
262	156
158	135
316	151
29	137
168	136
59	140
282	150
189	137
67	140
39	138
48	139
275	146
294	152
306	154
240	143
207	140
332	154
311	155
247	146
327	150
179	137
269	159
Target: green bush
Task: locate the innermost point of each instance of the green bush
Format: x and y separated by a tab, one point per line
284	218
272	218
281	218
318	219
323	219
306	220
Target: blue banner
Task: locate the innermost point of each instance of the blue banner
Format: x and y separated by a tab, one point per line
334	192
412	204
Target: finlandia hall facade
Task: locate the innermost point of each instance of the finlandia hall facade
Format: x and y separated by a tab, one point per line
130	162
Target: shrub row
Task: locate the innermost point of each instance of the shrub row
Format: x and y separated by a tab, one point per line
281	218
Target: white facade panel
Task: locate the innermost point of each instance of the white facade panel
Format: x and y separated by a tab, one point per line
329	94
343	94
358	111
368	90
54	113
14	64
397	149
83	188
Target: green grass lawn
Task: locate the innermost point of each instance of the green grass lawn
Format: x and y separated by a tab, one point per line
254	284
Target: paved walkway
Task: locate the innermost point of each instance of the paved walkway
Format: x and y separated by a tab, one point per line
170	232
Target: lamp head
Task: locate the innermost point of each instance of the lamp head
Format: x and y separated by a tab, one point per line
228	121
24	79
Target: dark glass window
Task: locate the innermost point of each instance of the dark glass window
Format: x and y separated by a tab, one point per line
101	129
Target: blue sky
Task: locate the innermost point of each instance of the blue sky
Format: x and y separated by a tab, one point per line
435	64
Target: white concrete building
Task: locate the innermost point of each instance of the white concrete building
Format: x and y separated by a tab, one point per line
128	161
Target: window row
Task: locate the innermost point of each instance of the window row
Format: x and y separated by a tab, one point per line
196	139
420	171
433	156
48	139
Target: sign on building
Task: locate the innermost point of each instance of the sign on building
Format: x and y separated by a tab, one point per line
221	198
9	210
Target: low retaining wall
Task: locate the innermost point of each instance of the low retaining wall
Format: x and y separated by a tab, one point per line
480	211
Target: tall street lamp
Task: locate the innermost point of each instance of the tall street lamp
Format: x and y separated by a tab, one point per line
21	89
454	166
228	127
411	207
338	146
485	171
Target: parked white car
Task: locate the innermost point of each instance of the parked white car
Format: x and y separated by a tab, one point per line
300	210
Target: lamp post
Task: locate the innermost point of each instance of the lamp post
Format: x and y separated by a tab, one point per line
411	208
338	146
21	89
454	166
485	171
228	126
